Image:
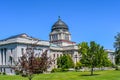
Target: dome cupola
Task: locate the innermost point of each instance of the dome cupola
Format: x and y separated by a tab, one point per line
60	33
59	25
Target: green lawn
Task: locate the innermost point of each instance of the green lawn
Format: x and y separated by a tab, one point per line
100	75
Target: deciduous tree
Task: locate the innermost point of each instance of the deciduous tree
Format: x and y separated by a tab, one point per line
65	62
117	48
29	63
93	55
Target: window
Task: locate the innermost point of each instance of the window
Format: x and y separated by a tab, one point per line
57	55
22	50
55	37
11	51
54	61
11	70
60	54
66	37
53	55
10	59
4	70
5	50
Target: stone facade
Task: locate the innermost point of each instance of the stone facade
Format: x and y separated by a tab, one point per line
111	55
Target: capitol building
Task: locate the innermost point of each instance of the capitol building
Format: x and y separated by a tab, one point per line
59	43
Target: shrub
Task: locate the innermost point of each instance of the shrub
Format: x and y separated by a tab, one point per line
64	70
117	68
59	70
78	66
56	70
17	72
4	73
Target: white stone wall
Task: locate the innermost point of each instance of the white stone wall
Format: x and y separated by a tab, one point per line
15	50
16	53
54	55
111	55
66	44
4	67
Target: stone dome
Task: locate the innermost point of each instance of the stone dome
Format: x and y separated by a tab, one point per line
60	25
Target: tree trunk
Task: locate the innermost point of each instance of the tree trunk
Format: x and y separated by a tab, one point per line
30	77
91	70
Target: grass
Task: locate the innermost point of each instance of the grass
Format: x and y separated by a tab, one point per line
99	75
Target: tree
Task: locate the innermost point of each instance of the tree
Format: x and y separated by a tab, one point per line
65	62
117	48
93	55
29	63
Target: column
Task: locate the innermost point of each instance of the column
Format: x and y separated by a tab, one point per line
57	36
69	37
0	58
63	36
16	50
3	56
51	38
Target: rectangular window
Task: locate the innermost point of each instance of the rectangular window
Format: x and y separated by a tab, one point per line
4	70
5	50
54	61
11	51
66	37
57	55
11	60
53	55
11	70
22	50
11	56
60	54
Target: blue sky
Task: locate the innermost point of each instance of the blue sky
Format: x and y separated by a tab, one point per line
88	20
